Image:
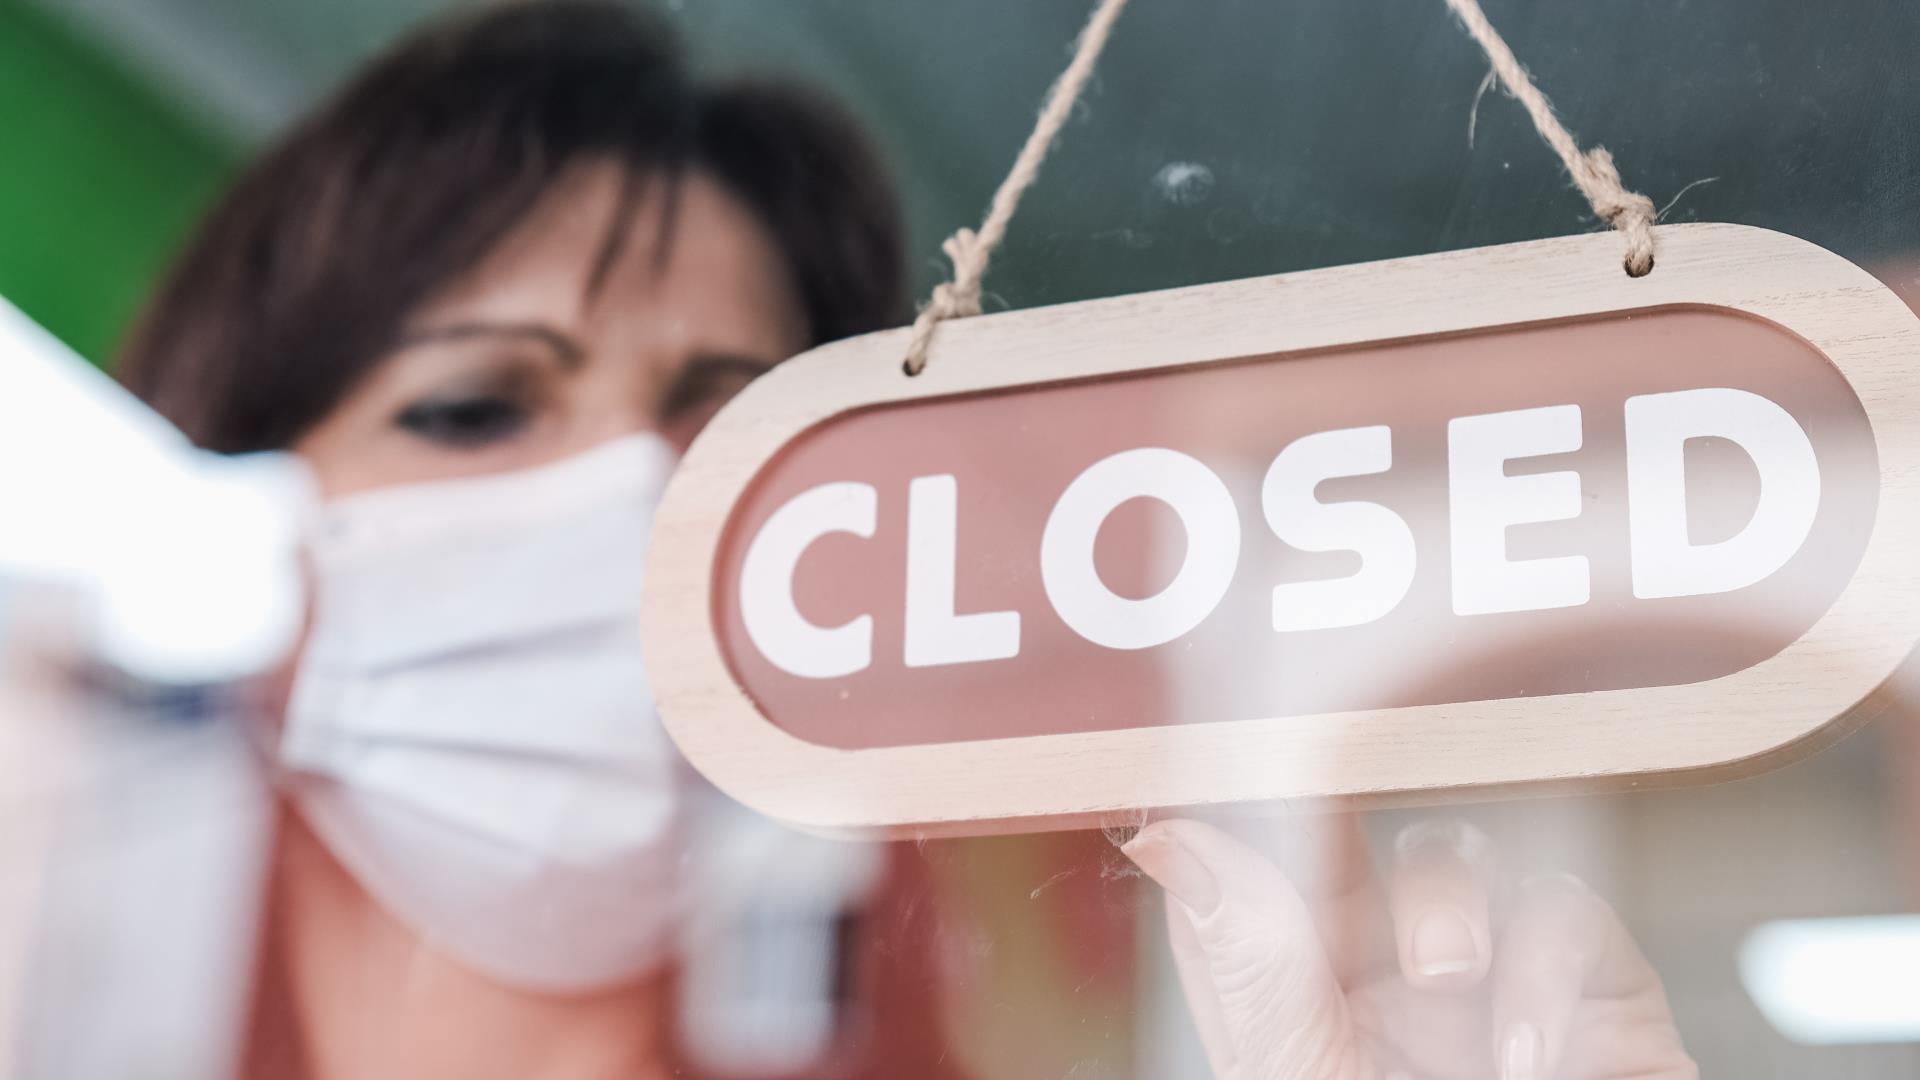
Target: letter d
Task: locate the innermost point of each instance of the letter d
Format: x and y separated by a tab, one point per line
1665	562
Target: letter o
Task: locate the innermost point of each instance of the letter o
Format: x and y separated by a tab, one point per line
1072	582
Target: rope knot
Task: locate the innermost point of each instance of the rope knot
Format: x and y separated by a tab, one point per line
1628	211
1612	201
956	299
961	296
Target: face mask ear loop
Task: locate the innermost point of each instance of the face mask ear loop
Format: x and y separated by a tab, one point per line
262	714
262	722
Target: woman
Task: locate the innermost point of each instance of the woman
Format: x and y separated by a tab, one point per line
525	247
489	292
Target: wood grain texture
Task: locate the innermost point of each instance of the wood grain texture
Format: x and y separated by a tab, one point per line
1809	693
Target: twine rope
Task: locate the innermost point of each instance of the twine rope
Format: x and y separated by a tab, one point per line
970	250
1593	171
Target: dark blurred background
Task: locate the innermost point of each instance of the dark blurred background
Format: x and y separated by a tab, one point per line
1220	139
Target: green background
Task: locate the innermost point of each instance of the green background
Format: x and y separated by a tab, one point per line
100	179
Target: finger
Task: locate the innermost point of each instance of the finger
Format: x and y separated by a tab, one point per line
1328	860
1443	873
1196	983
1562	946
1279	1009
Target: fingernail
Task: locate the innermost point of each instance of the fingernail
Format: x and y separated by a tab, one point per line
1523	1056
1178	871
1454	838
1443	945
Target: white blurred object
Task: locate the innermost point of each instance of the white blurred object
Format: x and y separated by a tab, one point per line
763	978
187	560
143	907
1826	982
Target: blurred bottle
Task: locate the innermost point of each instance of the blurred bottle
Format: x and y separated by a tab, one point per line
185	563
766	986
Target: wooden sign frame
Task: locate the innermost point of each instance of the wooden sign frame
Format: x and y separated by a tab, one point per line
1806	695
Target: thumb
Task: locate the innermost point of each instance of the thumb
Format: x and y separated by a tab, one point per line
1255	973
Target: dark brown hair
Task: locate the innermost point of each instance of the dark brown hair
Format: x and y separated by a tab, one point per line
300	280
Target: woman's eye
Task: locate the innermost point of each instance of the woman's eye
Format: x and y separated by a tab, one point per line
465	422
702	389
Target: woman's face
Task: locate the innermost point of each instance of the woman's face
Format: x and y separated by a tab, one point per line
528	360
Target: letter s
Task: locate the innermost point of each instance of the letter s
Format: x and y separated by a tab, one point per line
1380	536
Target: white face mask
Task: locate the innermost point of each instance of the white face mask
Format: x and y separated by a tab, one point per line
471	728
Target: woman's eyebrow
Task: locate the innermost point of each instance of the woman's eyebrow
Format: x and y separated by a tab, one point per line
566	348
726	363
703	373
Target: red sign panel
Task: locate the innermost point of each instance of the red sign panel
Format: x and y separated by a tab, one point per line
1347	529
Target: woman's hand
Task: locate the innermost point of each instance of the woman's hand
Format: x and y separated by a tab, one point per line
1318	976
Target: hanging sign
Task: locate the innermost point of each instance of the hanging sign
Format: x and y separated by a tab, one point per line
1480	519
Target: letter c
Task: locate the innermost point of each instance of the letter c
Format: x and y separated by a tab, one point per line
773	620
